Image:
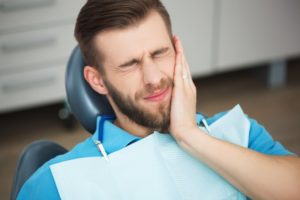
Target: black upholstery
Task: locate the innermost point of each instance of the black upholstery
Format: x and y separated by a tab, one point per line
84	102
32	157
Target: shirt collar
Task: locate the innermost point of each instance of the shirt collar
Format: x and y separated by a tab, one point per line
199	118
114	138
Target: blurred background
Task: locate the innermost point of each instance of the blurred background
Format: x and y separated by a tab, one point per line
239	52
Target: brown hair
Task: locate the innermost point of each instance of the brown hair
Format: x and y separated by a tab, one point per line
99	15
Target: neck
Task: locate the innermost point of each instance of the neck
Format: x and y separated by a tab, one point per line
131	127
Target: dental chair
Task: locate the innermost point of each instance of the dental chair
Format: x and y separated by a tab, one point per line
84	103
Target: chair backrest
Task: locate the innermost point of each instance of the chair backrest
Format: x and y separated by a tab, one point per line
32	157
83	101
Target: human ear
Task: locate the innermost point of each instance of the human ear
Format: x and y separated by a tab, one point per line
95	79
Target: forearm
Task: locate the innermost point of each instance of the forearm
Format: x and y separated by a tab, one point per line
257	175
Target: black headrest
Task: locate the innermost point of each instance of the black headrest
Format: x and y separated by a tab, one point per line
84	102
32	158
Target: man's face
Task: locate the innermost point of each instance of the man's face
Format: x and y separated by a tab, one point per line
138	62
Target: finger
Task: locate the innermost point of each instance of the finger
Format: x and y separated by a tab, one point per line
179	51
186	67
186	73
179	61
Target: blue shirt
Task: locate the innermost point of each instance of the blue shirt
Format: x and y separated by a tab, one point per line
41	184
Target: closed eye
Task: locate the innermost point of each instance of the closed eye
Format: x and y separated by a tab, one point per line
160	52
129	63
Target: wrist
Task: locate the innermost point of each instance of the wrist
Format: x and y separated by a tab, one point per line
195	141
185	135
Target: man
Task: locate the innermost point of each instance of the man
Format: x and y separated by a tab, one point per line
133	58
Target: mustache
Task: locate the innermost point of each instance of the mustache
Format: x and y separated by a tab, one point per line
151	88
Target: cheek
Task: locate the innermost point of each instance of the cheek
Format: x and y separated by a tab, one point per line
129	85
123	84
167	66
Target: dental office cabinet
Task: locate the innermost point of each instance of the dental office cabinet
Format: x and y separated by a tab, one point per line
36	39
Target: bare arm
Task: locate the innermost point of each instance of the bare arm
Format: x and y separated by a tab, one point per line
259	176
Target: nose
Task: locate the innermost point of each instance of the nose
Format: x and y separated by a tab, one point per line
152	74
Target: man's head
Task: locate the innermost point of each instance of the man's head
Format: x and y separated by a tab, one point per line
127	45
97	16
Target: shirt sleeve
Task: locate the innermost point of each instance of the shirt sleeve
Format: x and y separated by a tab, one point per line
39	186
260	140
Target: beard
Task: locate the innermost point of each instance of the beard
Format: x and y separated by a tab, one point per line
158	120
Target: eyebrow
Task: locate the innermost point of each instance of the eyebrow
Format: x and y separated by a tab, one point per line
134	60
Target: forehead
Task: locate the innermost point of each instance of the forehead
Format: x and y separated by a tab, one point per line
119	45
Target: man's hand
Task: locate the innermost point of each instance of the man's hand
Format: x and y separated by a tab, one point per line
183	105
257	175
